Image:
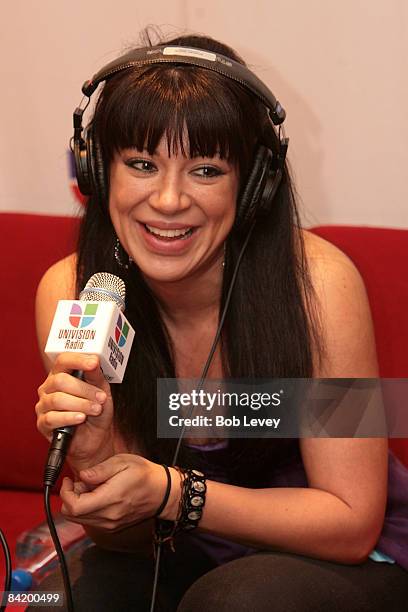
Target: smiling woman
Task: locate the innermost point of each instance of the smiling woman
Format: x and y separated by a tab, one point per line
172	213
191	203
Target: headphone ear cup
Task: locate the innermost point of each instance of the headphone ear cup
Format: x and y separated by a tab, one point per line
255	198
96	166
81	157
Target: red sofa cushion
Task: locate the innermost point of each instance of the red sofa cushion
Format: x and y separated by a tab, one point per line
381	256
30	244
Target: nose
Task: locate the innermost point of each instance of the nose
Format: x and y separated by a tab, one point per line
169	197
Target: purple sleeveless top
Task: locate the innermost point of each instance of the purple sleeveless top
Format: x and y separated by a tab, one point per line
393	540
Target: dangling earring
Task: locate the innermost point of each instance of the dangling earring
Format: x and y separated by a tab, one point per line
118	256
225	254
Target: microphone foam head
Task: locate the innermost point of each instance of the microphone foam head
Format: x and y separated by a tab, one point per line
104	287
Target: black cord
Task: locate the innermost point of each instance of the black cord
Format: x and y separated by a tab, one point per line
216	337
58	548
7	580
200	384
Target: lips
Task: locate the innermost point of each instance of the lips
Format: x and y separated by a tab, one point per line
167	238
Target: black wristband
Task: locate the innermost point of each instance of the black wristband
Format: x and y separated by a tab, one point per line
167	493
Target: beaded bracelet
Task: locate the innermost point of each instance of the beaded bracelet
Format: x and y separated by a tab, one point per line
193	499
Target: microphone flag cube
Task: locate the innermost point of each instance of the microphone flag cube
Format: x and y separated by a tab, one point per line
95	328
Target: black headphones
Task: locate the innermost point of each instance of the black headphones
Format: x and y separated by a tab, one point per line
267	169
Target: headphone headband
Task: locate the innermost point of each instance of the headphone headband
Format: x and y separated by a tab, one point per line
267	170
191	56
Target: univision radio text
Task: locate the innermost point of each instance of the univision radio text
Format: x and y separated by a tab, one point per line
75	337
115	353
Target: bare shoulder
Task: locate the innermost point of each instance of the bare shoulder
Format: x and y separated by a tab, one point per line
60	278
344	308
332	271
58	283
323	254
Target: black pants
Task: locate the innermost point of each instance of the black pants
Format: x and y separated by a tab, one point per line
106	581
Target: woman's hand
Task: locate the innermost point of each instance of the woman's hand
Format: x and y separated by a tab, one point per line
66	400
122	491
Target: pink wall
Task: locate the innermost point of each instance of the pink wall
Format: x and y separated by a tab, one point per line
339	69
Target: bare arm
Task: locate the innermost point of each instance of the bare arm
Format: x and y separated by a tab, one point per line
339	517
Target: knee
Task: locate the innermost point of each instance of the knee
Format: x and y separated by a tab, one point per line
230	587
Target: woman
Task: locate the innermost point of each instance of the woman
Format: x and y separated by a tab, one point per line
173	149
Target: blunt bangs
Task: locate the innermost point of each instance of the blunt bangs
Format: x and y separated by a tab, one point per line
137	108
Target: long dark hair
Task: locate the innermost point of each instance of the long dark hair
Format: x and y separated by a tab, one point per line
271	329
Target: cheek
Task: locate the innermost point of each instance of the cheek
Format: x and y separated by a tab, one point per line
114	208
122	199
122	192
118	211
223	203
228	207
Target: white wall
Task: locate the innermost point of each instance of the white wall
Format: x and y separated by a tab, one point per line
339	68
48	49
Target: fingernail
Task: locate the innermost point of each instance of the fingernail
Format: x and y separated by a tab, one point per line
79	417
100	396
91	362
96	408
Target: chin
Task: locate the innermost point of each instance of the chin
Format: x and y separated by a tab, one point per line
162	275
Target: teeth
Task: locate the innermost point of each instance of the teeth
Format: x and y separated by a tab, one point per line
171	233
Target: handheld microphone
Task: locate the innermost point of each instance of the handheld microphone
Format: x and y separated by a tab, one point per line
94	324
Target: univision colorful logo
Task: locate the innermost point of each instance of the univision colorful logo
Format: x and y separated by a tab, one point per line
82	317
121	332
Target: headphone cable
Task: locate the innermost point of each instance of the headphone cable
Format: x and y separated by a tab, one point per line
200	384
59	550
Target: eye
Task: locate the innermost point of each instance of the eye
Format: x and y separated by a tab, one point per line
208	171
142	165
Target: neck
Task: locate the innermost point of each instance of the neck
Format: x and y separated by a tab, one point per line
191	300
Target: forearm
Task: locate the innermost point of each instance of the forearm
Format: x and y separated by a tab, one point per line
114	445
305	521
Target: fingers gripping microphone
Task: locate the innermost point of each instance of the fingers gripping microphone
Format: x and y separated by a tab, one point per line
94	324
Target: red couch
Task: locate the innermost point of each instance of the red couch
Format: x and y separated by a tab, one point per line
32	242
381	255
